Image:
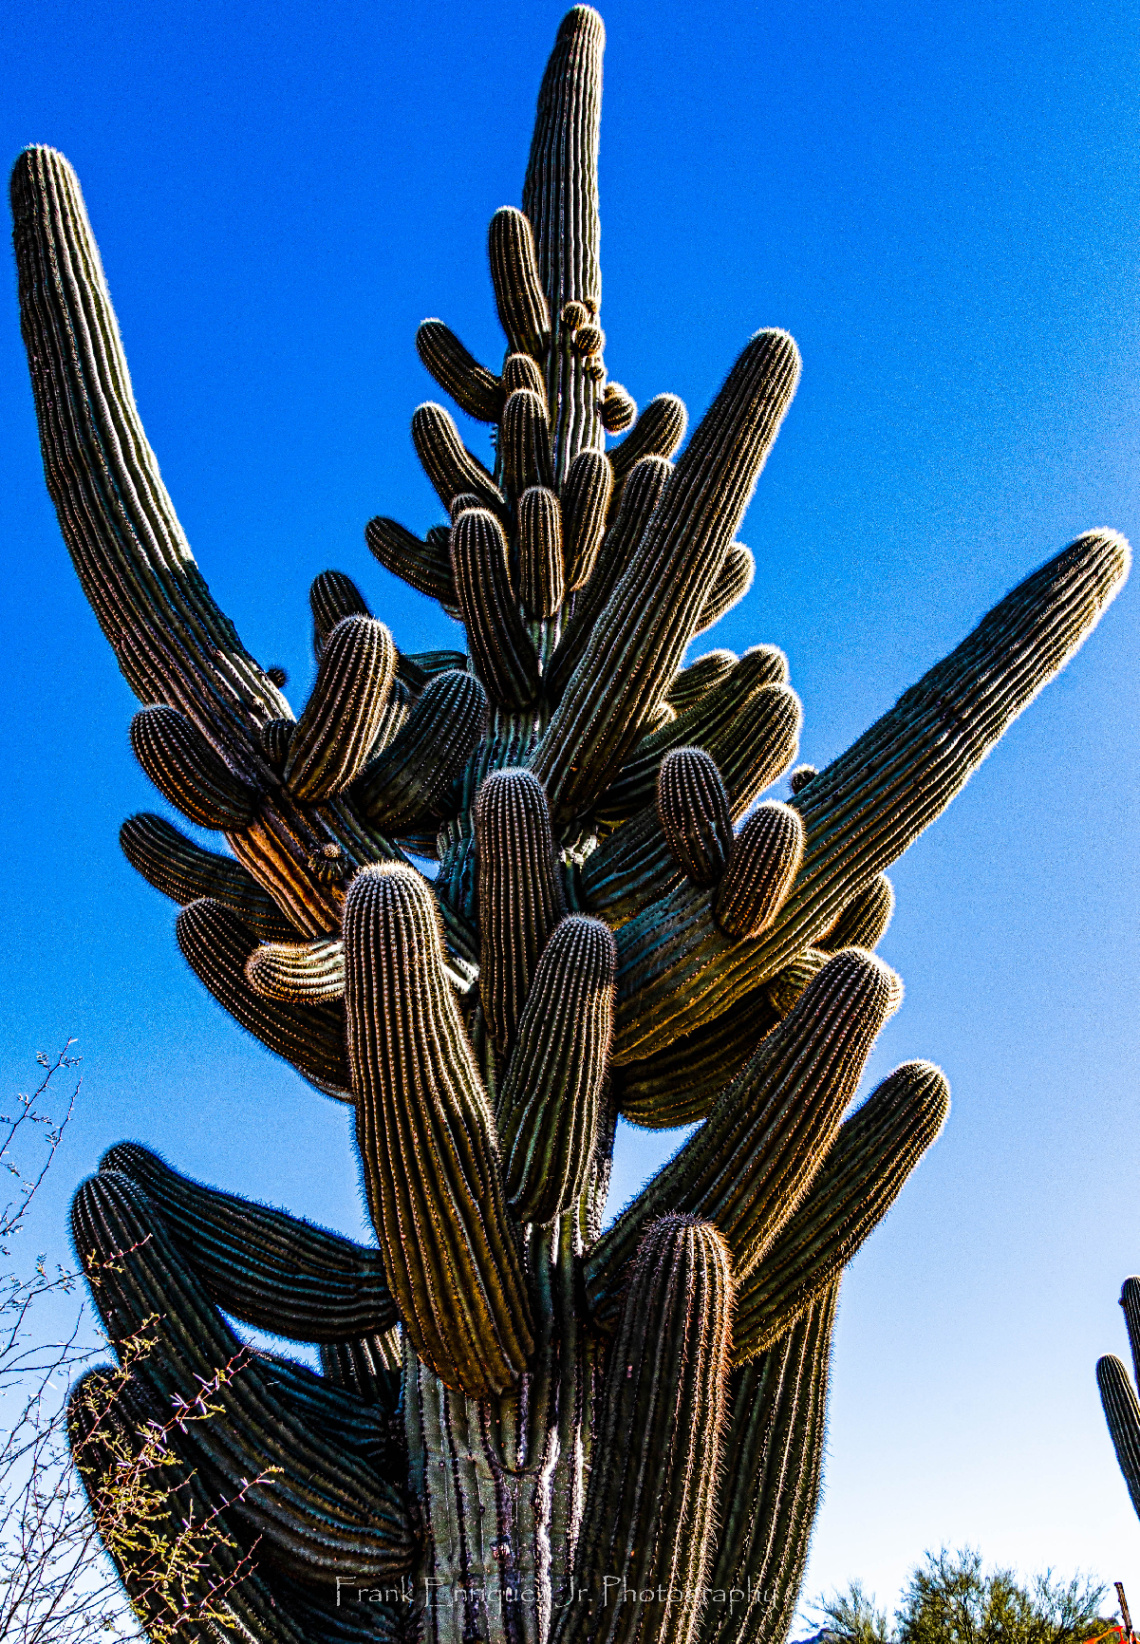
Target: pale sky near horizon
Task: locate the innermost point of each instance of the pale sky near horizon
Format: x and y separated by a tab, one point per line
941	204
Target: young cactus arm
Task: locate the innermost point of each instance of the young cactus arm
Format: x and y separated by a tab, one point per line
1122	1413
768	1502
585	501
690	685
172	642
520	894
426	1137
343	715
217	947
876	1150
263	1266
542	580
639	642
864	921
323	1509
650	1509
734	581
757	1153
657	433
111	1418
424	566
407	782
297	973
473	388
548	1104
560	198
501	648
675	968
182	870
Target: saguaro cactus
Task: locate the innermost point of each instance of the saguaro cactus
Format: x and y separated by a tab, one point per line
1118	1394
527	1428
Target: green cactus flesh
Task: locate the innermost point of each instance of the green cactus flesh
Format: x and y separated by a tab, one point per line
526	1427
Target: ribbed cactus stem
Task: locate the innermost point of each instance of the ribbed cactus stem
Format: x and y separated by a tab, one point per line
863	922
549	1100
342	717
473	388
520	893
769	1133
693	809
1122	1413
542	576
427	1140
186	770
332	597
776	1436
875	1151
653	611
871	803
766	857
172	642
646	1536
182	870
501	649
560	197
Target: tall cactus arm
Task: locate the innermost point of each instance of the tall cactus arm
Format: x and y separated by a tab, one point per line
263	1266
875	1151
172	642
638	644
1122	1413
426	1137
319	1507
756	1154
769	1499
648	1528
676	969
560	197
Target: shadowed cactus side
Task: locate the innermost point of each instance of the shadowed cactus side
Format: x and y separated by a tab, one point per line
1118	1394
526	1427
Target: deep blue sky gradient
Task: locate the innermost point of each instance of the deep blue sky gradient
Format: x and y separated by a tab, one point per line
941	204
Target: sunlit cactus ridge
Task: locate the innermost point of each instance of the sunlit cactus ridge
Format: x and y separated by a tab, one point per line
528	1425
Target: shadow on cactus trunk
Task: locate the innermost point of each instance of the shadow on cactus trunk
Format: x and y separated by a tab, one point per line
525	1429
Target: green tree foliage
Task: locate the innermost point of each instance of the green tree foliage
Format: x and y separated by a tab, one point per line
950	1599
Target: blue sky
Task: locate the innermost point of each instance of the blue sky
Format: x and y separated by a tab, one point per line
941	204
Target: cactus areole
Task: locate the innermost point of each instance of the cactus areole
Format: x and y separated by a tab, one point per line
527	1428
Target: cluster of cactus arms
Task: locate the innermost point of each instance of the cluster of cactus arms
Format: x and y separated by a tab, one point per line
1118	1394
529	1426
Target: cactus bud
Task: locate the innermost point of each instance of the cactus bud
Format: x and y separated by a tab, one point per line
800	777
574	314
617	409
765	860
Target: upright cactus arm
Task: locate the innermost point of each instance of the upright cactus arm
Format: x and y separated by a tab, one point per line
764	1141
864	810
173	643
652	614
560	197
769	1499
269	1269
1122	1413
648	1526
861	1177
426	1137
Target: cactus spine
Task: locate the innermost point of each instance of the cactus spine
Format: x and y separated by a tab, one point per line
518	1409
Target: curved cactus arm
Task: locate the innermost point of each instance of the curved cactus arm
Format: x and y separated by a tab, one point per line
874	1153
701	675
638	644
734	581
368	1367
297	973
407	783
426	1137
680	1083
182	870
1122	1413
863	811
560	197
424	566
658	432
473	388
649	1522
343	715
318	1504
263	1266
217	947
172	642
520	894
110	1422
771	1490
769	1132
548	1102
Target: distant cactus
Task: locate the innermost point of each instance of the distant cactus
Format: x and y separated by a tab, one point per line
527	1429
1118	1394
